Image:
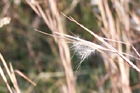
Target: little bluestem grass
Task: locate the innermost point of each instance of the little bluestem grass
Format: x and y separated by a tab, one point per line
85	48
82	48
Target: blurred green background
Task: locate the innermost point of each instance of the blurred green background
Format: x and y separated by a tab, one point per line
33	53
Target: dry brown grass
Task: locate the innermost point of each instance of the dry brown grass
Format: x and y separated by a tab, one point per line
11	73
119	24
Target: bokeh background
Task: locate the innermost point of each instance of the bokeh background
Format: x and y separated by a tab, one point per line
38	56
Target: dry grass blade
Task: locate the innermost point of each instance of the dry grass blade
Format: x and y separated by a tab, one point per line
106	44
6	67
11	74
14	79
80	42
76	40
80	46
55	23
21	74
126	44
32	5
71	7
5	80
98	47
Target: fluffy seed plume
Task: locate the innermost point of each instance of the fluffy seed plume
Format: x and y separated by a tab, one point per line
85	48
82	50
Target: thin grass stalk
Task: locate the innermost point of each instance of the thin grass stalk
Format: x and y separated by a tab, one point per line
14	79
128	39
63	47
8	71
135	35
109	63
64	50
5	65
5	80
107	45
103	15
127	85
21	74
125	34
112	33
12	76
77	40
117	48
32	5
138	64
122	10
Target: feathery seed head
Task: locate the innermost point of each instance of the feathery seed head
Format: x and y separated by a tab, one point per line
81	50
